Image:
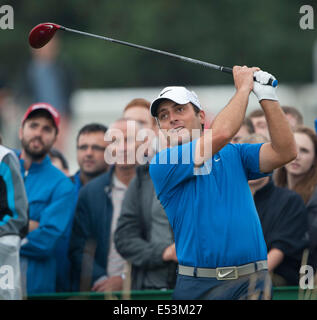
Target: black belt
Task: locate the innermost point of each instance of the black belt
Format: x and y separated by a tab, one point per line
223	273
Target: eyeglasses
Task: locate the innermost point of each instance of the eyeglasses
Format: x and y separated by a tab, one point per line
93	147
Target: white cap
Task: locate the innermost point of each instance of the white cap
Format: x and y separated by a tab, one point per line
180	95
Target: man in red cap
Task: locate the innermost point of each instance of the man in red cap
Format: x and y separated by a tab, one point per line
50	195
39	131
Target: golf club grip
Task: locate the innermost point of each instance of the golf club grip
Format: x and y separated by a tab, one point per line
272	82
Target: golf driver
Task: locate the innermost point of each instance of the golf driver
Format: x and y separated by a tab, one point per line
41	34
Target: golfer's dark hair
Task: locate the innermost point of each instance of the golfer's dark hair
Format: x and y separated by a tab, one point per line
197	110
92	128
294	112
54	153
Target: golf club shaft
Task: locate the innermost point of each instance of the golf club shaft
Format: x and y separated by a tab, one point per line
183	58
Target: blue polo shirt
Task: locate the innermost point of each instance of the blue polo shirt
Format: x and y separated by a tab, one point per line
213	215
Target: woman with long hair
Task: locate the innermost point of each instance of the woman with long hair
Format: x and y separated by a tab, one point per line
300	175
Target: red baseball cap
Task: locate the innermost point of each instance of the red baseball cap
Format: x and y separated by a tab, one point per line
44	106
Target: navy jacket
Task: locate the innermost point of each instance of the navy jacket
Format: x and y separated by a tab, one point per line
63	273
90	239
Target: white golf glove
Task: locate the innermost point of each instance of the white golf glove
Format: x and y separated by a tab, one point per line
260	89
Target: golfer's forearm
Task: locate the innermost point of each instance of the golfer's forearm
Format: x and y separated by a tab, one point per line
229	120
282	138
225	126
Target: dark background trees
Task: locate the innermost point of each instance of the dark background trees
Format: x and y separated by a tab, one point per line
226	32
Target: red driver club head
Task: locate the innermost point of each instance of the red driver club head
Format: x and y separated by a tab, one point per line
41	34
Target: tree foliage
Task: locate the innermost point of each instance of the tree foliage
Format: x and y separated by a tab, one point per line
226	32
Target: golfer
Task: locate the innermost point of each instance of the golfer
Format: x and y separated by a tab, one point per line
202	184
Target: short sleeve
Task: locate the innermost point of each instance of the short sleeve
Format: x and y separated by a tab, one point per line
250	156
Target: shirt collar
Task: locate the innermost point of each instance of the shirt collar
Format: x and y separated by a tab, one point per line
117	184
37	165
76	179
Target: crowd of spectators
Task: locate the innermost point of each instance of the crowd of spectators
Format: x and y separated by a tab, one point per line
103	228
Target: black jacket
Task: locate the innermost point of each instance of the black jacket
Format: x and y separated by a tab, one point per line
284	223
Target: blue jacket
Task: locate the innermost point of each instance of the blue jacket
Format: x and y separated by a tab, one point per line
63	275
90	239
76	180
51	201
